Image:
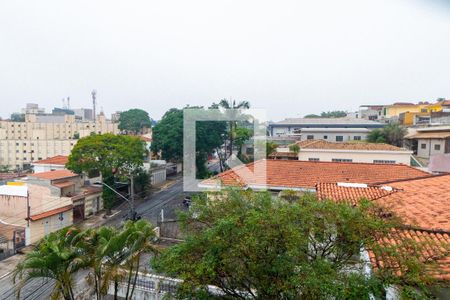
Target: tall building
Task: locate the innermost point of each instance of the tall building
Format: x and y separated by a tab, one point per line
43	136
33	108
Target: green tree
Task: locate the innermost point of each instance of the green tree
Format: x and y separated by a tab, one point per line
271	147
294	148
329	114
17	117
251	245
392	134
134	120
232	104
240	136
168	138
108	154
54	258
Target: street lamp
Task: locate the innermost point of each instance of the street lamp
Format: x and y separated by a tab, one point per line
132	210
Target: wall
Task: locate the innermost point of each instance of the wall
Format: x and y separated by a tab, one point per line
402	157
331	136
40	228
38	168
158	176
429	147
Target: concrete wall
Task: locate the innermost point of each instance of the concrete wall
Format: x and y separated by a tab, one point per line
400	157
331	136
429	149
40	228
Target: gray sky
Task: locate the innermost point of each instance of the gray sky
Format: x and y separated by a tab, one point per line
290	57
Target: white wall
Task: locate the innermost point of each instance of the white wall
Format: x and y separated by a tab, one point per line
429	147
400	157
331	136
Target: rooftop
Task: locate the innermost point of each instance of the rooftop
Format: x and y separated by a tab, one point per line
51	212
306	174
423	204
321	144
55	160
14	190
53	175
334	121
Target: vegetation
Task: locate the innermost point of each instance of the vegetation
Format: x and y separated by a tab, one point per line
109	154
168	138
231	104
294	148
254	246
392	134
240	136
109	254
329	114
271	147
17	117
134	121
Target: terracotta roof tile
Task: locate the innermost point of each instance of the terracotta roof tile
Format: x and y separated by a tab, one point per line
52	175
51	212
55	160
63	184
424	206
306	174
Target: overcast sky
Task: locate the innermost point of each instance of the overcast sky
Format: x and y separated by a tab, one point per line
290	57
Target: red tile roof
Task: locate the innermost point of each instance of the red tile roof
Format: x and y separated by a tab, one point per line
424	206
321	144
51	212
306	174
350	195
52	175
63	184
55	160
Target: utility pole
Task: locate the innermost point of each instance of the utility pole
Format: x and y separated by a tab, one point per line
132	210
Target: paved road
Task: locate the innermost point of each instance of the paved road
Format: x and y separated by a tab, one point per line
169	199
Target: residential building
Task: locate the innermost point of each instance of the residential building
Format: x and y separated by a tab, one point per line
409	114
84	114
377	153
44	136
428	141
33	108
304	175
335	134
370	112
336	129
56	199
422	204
50	164
393	111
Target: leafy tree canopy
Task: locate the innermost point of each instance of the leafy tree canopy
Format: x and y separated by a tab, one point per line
168	138
392	134
252	245
17	117
134	120
329	114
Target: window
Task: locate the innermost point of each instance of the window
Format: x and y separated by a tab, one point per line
381	161
341	160
313	159
339	138
310	137
423	146
61	216
325	137
357	138
437	147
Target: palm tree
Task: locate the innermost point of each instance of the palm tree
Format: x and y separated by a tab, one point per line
231	104
140	240
54	258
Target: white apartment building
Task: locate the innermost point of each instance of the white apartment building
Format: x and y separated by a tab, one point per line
44	136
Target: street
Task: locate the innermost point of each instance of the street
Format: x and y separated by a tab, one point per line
168	198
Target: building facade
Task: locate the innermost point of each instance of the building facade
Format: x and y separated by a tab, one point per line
44	136
325	126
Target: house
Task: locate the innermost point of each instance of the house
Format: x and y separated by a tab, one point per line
304	175
370	112
333	129
50	164
48	201
319	150
422	204
429	141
